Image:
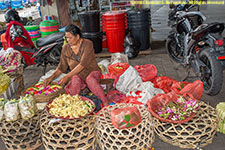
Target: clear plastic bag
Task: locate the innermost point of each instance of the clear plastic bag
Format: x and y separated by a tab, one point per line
27	106
11	111
118	58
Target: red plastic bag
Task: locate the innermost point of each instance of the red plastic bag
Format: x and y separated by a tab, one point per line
147	72
160	100
195	89
133	100
116	97
127	117
178	86
118	68
164	83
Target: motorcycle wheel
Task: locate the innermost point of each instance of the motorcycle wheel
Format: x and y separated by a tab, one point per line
212	73
173	50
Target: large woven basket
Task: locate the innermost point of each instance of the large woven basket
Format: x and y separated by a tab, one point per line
110	138
78	134
47	98
195	133
21	134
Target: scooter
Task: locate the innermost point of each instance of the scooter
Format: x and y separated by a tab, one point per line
47	50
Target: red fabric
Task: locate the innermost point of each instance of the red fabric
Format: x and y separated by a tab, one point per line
164	83
4	42
127	117
25	33
161	100
75	86
147	72
92	81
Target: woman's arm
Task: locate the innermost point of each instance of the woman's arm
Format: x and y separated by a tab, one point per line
75	71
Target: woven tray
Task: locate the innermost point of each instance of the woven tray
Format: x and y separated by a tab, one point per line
46	98
139	137
78	134
21	134
198	132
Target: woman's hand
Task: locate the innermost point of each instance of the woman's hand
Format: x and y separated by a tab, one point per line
64	80
47	81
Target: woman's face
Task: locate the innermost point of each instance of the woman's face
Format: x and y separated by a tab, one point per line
71	39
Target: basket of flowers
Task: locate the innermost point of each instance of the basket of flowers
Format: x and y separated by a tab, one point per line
173	108
44	94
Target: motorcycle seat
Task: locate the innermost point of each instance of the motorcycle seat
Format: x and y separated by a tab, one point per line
50	39
201	30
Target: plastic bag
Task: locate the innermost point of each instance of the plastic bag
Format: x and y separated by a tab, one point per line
178	86
147	72
11	110
10	59
128	80
133	100
118	68
131	52
103	66
125	117
41	106
49	73
116	97
2	104
118	58
144	91
27	106
195	89
164	83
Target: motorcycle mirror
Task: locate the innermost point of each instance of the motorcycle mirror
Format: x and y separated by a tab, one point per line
171	6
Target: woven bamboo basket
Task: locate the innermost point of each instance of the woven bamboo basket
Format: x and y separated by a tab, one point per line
77	134
46	98
139	137
195	133
21	134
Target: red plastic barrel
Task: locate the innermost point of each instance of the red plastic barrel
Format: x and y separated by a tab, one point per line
114	24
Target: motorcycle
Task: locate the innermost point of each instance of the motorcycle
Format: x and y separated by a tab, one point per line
199	47
47	50
180	7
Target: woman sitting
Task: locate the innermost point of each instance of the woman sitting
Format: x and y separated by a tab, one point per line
78	54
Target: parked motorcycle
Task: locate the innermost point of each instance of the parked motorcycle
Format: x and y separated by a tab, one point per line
180	7
48	48
199	47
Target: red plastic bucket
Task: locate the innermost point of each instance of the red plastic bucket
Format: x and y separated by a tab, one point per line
114	24
115	39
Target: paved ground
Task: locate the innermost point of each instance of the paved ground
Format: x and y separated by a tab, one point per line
165	67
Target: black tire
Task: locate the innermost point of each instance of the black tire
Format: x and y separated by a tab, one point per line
173	50
212	74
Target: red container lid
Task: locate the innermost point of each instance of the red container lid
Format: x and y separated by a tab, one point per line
111	15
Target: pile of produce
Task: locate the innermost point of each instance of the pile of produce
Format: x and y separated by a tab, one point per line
4	81
39	89
10	59
70	107
180	109
220	109
12	110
